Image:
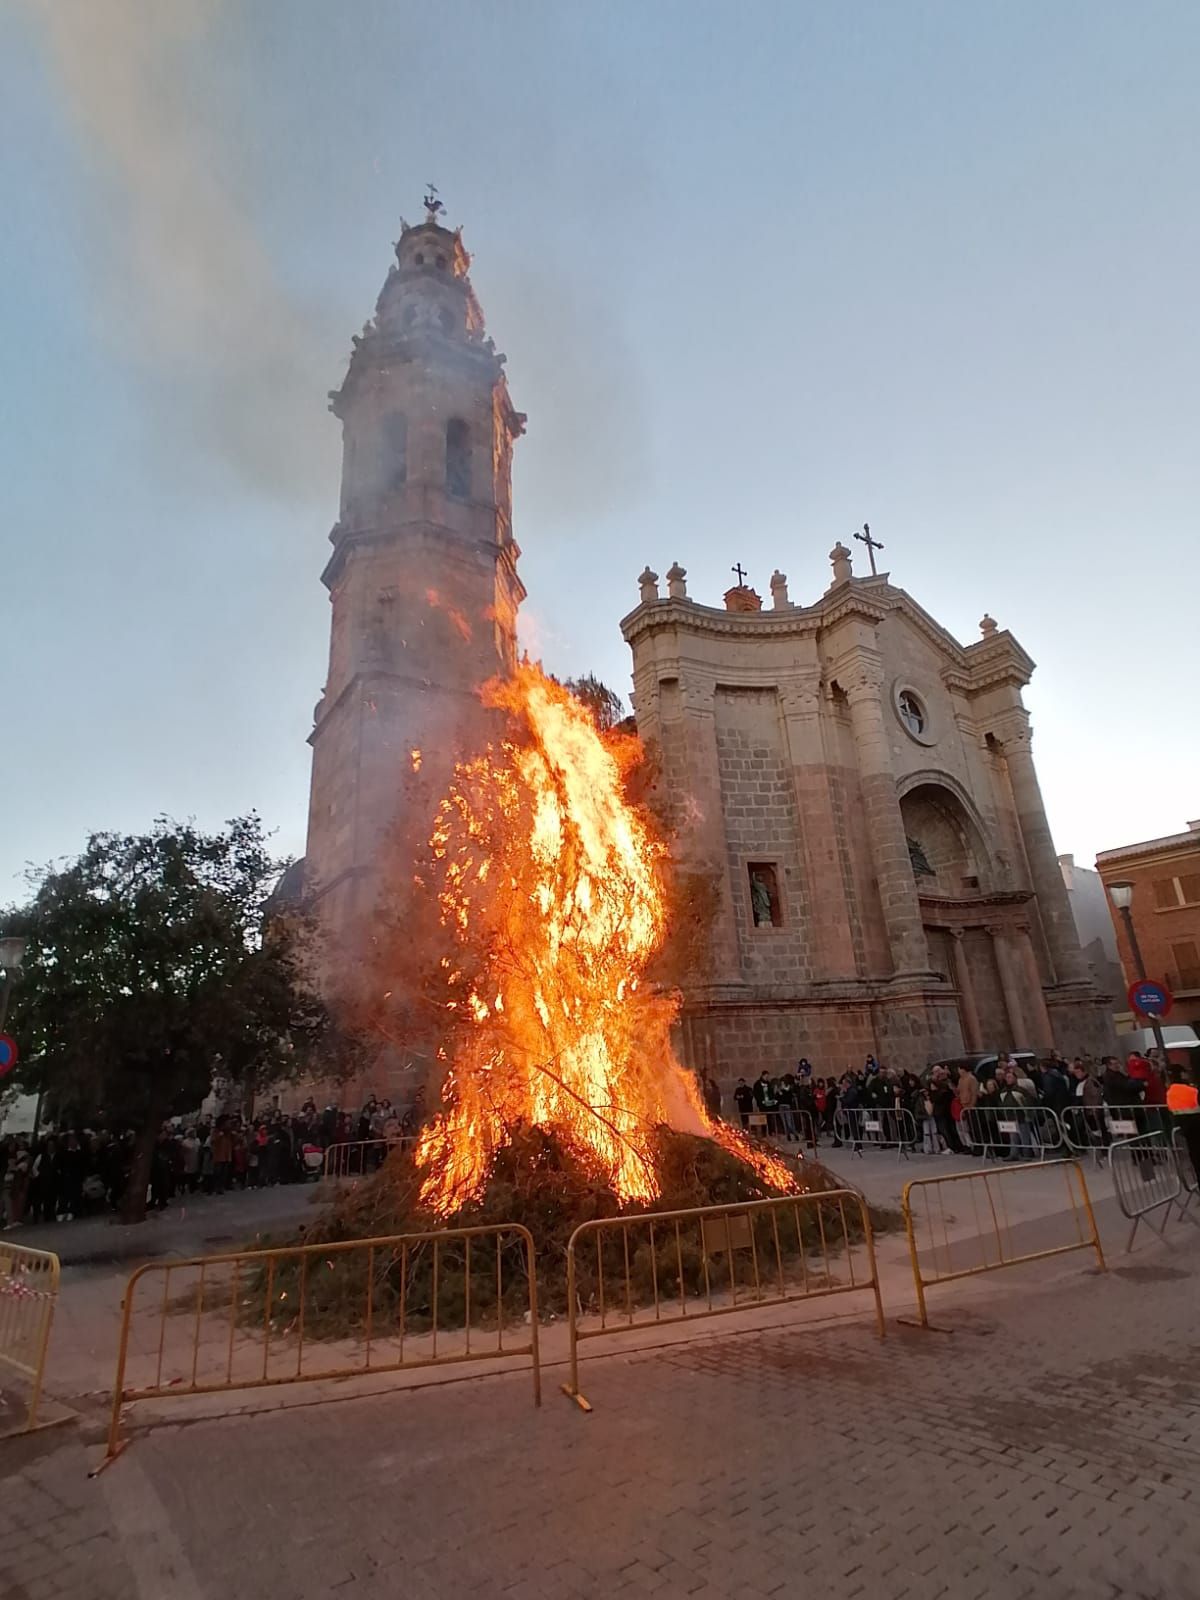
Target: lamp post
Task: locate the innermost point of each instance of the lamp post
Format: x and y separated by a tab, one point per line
12	953
1121	895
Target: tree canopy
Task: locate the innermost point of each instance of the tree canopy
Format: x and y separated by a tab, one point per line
604	703
154	960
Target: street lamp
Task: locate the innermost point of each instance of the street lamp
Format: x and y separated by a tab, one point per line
1121	895
12	953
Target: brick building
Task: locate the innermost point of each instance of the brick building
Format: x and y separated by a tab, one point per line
1165	874
861	788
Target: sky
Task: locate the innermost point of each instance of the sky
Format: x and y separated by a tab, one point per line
761	271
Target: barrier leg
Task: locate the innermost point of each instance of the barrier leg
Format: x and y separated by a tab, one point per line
906	1207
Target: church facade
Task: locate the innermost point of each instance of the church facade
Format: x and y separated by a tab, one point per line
859	786
861	789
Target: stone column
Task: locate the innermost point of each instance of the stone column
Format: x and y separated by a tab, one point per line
1054	907
1035	1008
972	1032
885	826
828	913
1011	985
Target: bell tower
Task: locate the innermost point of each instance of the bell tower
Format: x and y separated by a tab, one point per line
423	577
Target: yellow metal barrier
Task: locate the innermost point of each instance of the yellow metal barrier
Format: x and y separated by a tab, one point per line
28	1295
674	1266
252	1319
939	1258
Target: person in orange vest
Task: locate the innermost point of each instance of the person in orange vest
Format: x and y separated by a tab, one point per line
1184	1105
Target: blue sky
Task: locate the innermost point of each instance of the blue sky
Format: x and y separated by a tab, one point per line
761	272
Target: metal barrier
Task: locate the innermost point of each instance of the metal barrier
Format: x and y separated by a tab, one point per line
876	1127
28	1295
676	1266
1094	1128
1188	1180
942	1259
1147	1175
358	1157
1011	1133
248	1320
773	1125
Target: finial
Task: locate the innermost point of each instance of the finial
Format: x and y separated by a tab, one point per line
648	583
842	570
779	594
432	204
677	582
740	574
987	625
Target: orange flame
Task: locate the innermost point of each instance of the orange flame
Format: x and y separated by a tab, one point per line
550	883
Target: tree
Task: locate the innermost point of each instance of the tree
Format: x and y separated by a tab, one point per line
151	957
605	704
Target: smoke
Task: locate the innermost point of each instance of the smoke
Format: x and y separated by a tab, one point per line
192	294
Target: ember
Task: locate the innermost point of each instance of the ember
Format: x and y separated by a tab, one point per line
549	885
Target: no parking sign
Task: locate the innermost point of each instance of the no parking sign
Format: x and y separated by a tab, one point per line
9	1054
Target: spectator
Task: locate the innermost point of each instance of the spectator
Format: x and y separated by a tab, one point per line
743	1099
764	1099
941	1094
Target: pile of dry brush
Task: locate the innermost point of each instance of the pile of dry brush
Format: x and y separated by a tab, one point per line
542	1181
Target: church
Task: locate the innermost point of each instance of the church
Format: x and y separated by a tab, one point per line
858	785
862	789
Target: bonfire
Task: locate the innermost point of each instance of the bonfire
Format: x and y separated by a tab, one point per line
551	896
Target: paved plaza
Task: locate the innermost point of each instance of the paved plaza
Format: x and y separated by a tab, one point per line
1048	1445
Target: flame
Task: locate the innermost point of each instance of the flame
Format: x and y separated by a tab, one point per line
415	757
550	884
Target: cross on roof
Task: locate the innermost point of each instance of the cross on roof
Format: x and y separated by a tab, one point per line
739	573
872	544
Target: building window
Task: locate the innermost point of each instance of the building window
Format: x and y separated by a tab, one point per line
395	449
1170	893
1187	964
765	907
419	259
912	713
458	459
441	261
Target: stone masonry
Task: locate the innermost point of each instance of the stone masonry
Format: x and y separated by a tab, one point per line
879	776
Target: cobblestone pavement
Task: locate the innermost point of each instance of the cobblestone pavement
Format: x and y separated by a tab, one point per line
1049	1447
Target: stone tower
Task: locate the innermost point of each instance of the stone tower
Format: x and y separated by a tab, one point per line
423	577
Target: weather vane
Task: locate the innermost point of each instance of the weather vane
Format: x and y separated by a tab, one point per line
432	204
872	544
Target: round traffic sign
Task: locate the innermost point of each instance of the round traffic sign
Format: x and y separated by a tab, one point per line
1151	999
8	1053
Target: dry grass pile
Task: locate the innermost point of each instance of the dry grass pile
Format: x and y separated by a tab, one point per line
543	1182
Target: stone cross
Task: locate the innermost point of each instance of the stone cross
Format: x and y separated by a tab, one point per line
872	544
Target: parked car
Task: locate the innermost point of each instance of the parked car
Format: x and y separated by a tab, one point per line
982	1065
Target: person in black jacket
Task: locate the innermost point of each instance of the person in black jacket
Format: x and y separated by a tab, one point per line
743	1099
941	1096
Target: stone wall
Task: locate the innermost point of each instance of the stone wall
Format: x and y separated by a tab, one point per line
762	825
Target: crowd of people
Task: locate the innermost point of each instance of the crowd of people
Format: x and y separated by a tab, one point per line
800	1107
78	1171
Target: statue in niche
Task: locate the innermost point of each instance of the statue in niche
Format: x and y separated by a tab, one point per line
764	897
920	861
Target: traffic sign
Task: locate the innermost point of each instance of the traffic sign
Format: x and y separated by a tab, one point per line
9	1053
1151	999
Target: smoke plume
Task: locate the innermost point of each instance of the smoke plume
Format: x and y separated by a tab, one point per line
192	294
